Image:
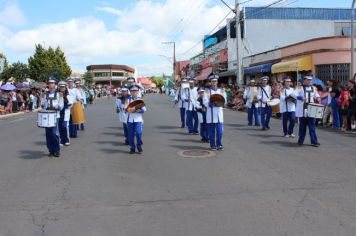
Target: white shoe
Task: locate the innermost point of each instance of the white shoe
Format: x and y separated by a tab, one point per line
61	145
286	136
292	136
66	144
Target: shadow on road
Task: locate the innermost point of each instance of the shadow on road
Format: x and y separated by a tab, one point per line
266	135
31	155
166	127
40	143
174	132
114	143
188	147
281	143
185	140
235	125
113	134
113	151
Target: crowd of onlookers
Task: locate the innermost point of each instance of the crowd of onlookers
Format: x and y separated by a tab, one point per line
19	100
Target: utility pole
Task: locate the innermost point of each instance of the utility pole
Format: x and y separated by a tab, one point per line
174	58
238	50
352	39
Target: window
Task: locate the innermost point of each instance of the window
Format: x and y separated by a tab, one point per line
118	74
101	74
338	72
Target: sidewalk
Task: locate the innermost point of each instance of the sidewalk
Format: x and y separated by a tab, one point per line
22	113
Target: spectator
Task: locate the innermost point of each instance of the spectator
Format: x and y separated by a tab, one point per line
335	94
351	114
4	100
344	107
323	93
328	110
20	101
14	102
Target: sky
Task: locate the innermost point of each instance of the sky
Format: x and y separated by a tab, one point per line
128	32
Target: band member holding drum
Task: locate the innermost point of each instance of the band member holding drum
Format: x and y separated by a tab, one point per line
131	82
201	111
250	95
287	106
83	99
75	95
264	96
306	95
64	118
53	100
179	101
121	105
134	123
189	96
214	114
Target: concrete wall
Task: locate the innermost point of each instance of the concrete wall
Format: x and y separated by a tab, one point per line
265	35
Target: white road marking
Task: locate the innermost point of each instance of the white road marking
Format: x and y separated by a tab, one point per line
13	121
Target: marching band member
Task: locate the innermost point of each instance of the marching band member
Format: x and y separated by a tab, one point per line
53	100
64	114
305	95
201	110
83	99
134	123
287	107
180	103
121	105
75	95
131	82
264	96
214	115
250	95
190	96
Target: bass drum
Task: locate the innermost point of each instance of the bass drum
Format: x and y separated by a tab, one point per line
78	116
274	104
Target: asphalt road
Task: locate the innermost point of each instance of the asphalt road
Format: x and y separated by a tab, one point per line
261	185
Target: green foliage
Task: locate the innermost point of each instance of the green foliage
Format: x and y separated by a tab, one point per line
48	62
18	70
6	65
88	77
158	81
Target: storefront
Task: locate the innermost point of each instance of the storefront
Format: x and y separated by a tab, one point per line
256	72
294	69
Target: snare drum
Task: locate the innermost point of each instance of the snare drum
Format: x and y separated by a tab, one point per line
315	111
46	119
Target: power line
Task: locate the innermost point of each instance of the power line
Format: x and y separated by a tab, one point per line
208	34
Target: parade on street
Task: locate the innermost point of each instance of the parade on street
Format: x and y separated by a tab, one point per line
172	118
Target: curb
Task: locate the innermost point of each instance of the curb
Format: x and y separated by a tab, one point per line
22	113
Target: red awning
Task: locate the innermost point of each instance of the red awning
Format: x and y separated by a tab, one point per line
204	74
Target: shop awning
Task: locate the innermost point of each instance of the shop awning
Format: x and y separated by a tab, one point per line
265	68
228	73
301	64
204	74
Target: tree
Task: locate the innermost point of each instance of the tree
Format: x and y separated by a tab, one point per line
158	81
18	70
6	65
48	62
88	77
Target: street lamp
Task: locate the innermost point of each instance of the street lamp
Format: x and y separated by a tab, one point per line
174	57
352	38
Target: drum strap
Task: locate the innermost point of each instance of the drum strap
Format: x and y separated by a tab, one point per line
51	100
264	92
212	110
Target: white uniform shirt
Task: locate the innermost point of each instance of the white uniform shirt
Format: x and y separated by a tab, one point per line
310	94
74	93
68	109
285	105
264	95
122	104
178	97
199	105
214	114
249	94
82	95
136	117
58	102
190	96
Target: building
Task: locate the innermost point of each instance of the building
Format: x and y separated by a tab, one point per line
181	68
146	83
111	74
326	58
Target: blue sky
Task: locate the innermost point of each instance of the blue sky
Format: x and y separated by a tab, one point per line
120	32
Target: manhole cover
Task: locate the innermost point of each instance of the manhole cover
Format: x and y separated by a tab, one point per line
196	153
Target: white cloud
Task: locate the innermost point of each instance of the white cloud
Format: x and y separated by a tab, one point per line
110	10
12	15
140	31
